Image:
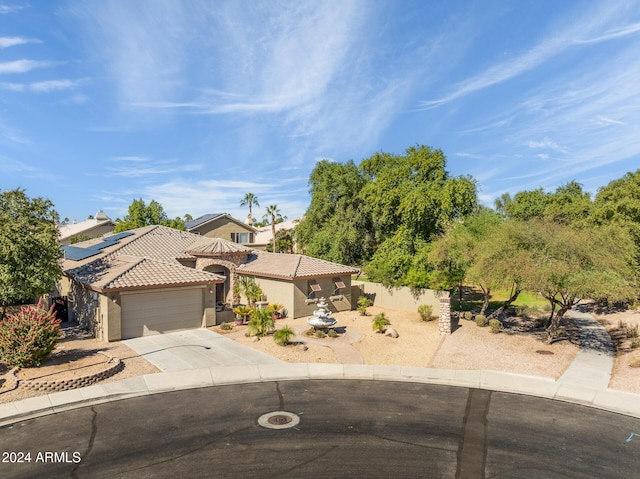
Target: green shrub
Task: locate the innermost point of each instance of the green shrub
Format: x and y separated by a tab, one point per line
363	304
380	322
310	332
635	343
226	326
468	315
494	326
632	333
481	320
320	334
332	333
28	336
426	312
283	335
261	322
634	362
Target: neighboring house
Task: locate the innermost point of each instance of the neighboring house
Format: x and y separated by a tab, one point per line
264	234
91	228
222	225
156	279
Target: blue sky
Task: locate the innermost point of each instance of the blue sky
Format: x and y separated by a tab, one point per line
195	103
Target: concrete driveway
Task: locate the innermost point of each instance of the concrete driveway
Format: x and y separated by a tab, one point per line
195	348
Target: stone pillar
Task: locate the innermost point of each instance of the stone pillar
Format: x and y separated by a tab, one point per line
444	324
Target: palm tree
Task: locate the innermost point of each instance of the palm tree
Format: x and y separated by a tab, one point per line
250	200
273	216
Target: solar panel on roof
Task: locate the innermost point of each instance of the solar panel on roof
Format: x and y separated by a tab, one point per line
78	254
113	239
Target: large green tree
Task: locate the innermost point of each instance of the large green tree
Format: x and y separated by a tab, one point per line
568	264
411	198
336	226
29	249
568	204
460	253
141	214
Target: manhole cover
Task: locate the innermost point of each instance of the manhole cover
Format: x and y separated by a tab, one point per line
544	351
279	420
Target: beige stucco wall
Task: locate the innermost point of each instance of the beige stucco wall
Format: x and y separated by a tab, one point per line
401	299
222	228
110	317
304	307
277	291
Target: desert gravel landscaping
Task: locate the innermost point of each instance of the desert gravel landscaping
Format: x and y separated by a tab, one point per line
418	344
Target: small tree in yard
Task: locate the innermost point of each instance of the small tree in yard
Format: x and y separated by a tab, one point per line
572	264
28	337
29	249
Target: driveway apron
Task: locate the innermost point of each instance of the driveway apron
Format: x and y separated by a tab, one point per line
194	349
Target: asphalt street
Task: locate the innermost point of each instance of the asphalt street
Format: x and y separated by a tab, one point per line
345	429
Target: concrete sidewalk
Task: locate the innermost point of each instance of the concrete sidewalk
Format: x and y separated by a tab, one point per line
585	381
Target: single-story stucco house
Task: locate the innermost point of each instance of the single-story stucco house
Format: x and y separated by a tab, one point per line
156	279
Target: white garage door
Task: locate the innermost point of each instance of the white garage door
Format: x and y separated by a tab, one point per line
144	314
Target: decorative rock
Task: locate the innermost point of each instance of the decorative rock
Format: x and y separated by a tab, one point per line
391	332
255	339
303	347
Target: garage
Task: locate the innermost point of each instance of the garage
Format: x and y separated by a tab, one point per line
149	313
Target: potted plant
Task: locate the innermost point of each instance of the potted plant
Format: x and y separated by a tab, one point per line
276	310
242	312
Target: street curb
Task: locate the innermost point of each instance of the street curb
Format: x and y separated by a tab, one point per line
608	400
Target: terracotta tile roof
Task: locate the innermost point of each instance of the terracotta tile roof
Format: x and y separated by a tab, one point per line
216	246
292	266
146	259
159	242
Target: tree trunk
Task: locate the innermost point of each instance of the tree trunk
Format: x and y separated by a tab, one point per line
485	302
273	232
506	304
554	324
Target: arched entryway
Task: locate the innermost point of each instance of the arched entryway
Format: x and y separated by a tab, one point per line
222	289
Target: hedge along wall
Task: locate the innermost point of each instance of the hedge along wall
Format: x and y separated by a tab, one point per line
401	299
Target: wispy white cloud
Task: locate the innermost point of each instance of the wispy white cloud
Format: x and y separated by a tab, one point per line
6	9
565	36
137	169
6	42
134	159
547	144
42	86
614	34
21	66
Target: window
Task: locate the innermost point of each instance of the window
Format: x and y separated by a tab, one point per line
312	288
240	237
